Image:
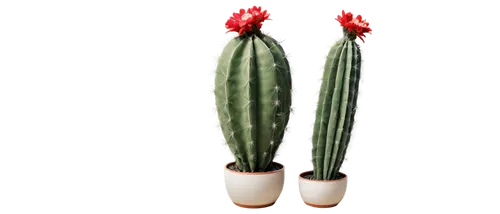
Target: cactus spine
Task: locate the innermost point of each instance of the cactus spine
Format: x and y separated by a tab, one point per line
253	98
336	107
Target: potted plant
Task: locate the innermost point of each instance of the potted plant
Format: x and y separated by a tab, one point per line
253	99
325	186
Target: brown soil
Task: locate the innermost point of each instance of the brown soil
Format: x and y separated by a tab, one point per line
272	167
310	176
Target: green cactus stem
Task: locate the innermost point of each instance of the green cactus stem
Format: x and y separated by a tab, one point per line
253	98
336	108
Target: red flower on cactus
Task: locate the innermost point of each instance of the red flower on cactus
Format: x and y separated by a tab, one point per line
357	26
245	21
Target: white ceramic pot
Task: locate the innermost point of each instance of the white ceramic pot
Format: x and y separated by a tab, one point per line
254	189
322	193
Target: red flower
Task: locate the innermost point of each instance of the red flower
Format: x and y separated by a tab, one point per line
245	21
356	26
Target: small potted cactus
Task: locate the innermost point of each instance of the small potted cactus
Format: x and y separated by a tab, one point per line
253	99
325	186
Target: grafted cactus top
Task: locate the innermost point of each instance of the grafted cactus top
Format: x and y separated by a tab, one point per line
252	92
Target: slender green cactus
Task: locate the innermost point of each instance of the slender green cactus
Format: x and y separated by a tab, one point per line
253	95
337	101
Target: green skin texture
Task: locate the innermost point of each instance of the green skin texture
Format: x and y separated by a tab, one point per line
336	108
253	98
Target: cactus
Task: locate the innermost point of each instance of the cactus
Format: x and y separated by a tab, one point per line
337	100
252	92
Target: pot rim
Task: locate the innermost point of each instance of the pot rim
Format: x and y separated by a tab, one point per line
322	181
254	173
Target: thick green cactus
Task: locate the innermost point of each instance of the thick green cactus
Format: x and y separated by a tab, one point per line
337	103
253	98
